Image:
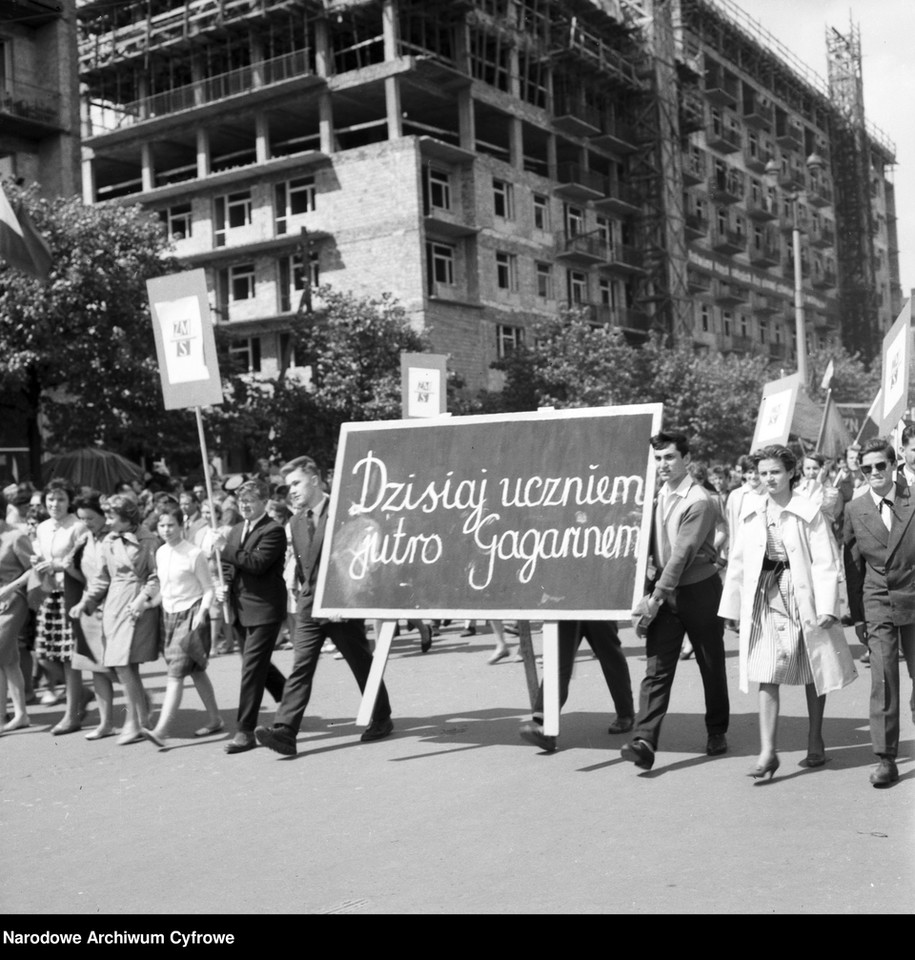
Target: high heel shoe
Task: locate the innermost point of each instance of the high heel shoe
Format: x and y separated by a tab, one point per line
761	769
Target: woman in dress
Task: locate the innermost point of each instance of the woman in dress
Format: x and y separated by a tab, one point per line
782	593
221	640
126	581
56	539
89	638
15	567
186	594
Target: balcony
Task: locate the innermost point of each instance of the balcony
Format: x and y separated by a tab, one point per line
788	135
632	321
619	198
825	280
823	236
691	112
622	258
762	208
616	136
741	344
721	89
723	138
777	351
574	117
766	254
698	282
27	110
574	182
731	294
729	241
755	158
584	249
695	168
695	226
726	187
757	113
819	194
765	305
791	177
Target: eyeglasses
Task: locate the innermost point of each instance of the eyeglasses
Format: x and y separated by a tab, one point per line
880	466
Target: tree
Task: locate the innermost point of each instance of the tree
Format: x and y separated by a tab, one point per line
852	382
78	352
571	363
352	346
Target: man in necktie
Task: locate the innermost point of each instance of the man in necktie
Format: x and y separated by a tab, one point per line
687	587
253	556
881	538
311	502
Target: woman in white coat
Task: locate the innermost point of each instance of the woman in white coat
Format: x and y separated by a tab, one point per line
782	589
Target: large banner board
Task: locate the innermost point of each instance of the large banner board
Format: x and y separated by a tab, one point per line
776	411
185	343
897	358
541	515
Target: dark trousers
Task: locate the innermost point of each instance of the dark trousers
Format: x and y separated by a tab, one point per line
348	636
604	640
257	671
696	616
885	640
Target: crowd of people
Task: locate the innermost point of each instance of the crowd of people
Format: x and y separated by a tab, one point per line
783	549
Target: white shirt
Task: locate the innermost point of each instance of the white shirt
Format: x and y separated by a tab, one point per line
886	513
184	575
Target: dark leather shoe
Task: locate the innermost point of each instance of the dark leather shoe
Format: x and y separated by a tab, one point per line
640	752
532	732
621	725
240	743
885	772
717	744
279	739
425	638
377	730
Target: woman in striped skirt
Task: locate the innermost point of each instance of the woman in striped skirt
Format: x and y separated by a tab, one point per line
782	593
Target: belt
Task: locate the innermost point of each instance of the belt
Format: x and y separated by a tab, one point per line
770	564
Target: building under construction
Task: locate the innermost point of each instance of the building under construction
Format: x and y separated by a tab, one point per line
488	161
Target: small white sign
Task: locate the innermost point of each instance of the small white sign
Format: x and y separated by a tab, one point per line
424	390
773	417
182	337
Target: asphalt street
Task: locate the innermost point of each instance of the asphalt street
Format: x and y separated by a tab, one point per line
454	813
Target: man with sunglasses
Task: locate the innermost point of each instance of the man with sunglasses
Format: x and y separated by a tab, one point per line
881	537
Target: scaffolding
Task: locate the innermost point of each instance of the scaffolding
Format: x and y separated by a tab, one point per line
855	235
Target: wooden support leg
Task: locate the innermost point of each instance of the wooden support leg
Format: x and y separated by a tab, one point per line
551	678
526	649
376	674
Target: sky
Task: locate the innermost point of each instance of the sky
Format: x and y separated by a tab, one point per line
887	30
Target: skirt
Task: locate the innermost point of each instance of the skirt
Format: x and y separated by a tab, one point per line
53	633
777	652
14	615
187	650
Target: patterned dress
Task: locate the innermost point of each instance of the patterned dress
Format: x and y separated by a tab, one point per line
777	653
53	633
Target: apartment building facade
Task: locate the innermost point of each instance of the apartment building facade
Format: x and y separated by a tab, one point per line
486	162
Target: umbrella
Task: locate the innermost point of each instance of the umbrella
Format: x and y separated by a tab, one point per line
92	467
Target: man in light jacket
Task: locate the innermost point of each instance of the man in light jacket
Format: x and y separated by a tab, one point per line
684	581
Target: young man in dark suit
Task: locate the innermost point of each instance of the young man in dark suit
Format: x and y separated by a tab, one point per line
253	556
311	502
881	538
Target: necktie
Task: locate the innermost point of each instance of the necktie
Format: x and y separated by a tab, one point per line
886	512
244	531
310	523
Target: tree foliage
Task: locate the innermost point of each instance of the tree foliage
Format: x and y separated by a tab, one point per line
78	351
712	397
352	346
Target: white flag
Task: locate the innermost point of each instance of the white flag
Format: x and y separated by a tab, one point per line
828	374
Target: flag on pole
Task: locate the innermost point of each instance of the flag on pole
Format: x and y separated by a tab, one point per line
828	374
21	245
833	438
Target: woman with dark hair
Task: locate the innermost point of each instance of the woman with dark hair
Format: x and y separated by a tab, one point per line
126	581
15	567
185	593
89	637
782	593
56	539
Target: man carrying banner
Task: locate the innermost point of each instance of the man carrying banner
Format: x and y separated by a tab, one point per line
687	588
307	528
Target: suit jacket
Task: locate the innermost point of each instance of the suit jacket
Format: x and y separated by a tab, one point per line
307	550
884	558
257	590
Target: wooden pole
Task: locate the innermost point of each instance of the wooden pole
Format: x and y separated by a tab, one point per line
376	674
551	678
526	649
208	480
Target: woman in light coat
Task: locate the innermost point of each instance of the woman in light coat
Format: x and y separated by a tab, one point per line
782	588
